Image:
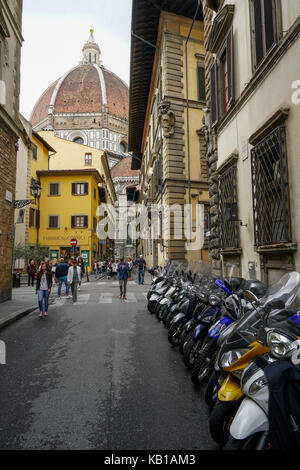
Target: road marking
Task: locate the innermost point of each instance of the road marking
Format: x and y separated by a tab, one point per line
131	297
83	299
105	298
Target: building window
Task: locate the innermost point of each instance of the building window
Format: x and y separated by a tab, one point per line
94	224
222	80
78	140
228	214
53	189
80	189
271	208
79	221
123	147
53	221
34	152
213	4
88	159
201	83
263	15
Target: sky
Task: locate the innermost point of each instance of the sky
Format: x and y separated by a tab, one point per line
54	33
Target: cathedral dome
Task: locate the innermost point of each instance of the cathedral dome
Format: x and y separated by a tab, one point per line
87	88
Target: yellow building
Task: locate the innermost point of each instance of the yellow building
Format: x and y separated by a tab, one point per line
167	99
69	202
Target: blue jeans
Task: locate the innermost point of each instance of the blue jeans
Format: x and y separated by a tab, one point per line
141	275
95	272
43	295
61	281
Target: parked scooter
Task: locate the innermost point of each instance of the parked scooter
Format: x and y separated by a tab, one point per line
246	342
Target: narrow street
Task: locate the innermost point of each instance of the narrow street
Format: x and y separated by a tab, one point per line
99	374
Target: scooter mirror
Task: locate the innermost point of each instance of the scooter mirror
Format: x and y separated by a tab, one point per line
250	296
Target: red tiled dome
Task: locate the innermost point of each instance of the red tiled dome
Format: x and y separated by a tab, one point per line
85	89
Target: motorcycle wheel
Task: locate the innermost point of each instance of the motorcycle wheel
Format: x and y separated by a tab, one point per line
211	392
169	319
174	335
160	312
191	352
249	443
183	339
151	307
164	314
204	363
220	419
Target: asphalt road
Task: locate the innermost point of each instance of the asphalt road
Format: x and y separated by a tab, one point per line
99	374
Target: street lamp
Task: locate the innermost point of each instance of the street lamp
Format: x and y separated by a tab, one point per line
35	191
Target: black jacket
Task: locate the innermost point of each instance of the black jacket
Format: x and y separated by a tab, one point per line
49	280
61	270
284	403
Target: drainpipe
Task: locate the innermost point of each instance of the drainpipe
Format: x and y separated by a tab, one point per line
187	107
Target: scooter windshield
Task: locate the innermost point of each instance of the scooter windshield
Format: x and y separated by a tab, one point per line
285	291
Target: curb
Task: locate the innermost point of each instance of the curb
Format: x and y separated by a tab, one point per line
16	316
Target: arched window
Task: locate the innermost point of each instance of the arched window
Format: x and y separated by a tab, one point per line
95	58
123	147
90	58
78	140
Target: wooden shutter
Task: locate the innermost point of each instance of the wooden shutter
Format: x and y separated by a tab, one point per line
37	220
214	94
230	67
269	23
31	217
258	31
73	188
201	83
86	219
73	221
86	188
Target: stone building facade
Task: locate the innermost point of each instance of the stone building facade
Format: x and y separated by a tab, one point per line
87	105
252	136
169	148
10	128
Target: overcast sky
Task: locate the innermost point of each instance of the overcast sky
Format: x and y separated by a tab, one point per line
55	31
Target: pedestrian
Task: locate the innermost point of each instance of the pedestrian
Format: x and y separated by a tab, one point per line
81	265
96	269
74	277
31	270
43	288
123	271
53	270
61	274
141	265
130	266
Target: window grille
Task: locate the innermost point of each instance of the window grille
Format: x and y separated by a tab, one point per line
228	226
271	208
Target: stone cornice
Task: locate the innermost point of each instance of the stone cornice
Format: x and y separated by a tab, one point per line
278	118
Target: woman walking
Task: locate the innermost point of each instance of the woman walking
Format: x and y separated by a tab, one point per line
43	288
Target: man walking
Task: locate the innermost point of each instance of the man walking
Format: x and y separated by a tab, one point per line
123	271
61	274
31	270
141	265
74	277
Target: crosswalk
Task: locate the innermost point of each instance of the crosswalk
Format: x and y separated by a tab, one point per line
102	298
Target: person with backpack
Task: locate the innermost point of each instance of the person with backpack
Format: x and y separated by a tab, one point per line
74	277
123	271
61	274
141	265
